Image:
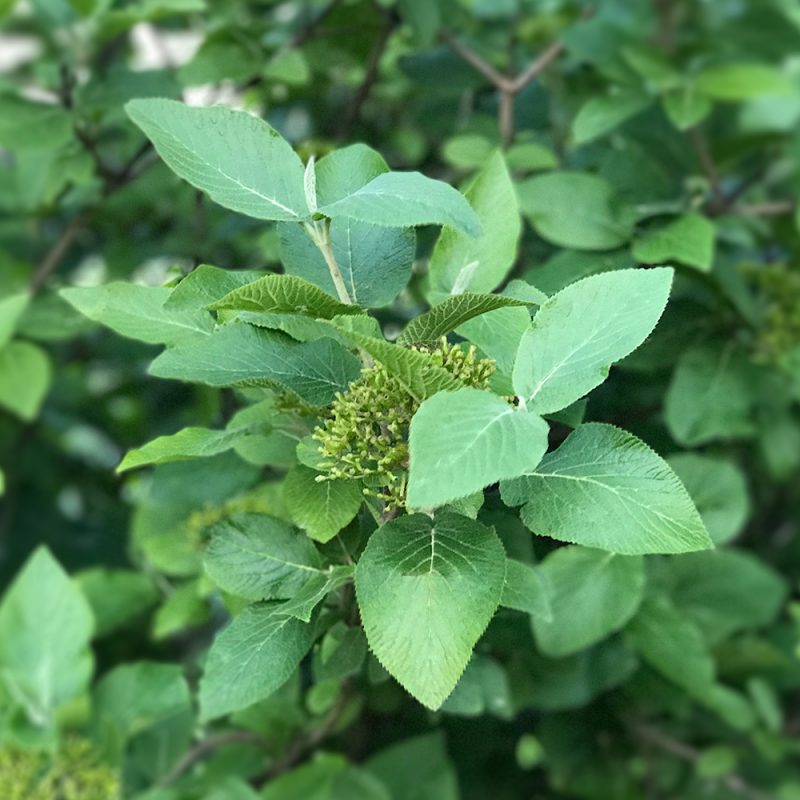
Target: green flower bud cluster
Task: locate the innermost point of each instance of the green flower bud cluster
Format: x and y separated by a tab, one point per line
365	435
780	287
260	500
74	773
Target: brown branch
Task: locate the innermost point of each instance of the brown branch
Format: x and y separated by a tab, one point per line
507	85
545	59
774	208
732	781
204	748
303	745
54	255
497	79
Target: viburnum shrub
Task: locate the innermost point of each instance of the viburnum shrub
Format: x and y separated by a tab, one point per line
476	476
396	442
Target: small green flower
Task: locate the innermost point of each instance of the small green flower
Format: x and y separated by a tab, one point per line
365	434
75	772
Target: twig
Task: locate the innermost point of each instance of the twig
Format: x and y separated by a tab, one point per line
709	169
204	748
304	745
54	255
775	208
507	85
733	781
545	59
497	79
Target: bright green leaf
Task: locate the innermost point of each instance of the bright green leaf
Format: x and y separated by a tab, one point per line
526	590
240	355
463	262
404	200
605	488
463	441
138	312
449	314
710	396
576	209
45	627
259	557
718	489
284	294
252	658
742	81
321	508
237	159
25	375
688	239
427	590
592	594
581	331
600	115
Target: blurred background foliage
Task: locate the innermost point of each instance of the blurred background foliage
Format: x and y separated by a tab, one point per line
668	132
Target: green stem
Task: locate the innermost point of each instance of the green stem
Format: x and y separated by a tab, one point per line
320	235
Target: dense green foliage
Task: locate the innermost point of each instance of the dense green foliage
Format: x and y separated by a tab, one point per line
399	399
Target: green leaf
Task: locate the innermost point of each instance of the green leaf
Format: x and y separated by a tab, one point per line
688	239
592	594
206	284
345	171
375	261
673	645
427	590
252	658
710	396
686	107
742	81
240	355
433	778
134	697
482	689
581	331
321	508
404	200
28	125
183	445
314	591
726	591
284	294
45	627
237	159
25	375
576	209
497	334
461	262
605	488
116	596
138	312
718	489
11	309
530	157
600	115
526	590
259	557
460	442
467	151
327	777
416	370
449	314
